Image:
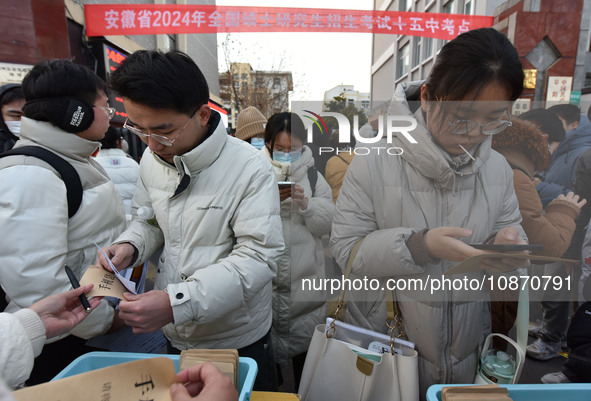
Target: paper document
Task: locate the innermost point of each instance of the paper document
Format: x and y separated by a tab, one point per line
144	379
130	285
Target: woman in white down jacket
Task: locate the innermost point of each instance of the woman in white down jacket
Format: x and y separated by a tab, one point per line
306	214
419	211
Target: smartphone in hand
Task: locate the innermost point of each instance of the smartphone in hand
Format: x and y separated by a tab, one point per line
508	247
285	184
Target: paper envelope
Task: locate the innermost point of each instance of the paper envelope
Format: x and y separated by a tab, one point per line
105	283
138	380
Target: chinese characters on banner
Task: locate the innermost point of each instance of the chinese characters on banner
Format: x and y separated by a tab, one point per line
146	19
559	89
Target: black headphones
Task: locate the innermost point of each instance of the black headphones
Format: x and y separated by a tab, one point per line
67	113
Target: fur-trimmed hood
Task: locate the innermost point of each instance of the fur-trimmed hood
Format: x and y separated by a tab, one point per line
526	138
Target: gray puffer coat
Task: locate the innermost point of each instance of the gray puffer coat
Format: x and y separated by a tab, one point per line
387	198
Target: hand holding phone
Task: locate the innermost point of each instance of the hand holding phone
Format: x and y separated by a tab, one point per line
508	247
285	184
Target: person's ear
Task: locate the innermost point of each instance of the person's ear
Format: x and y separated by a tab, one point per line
203	115
424	98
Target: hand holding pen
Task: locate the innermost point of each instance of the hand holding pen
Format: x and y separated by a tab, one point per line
60	313
76	284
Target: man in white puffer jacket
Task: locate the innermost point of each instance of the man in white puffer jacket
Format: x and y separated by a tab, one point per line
216	211
69	120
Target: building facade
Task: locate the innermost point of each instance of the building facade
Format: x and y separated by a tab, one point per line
401	58
361	100
553	40
242	86
37	30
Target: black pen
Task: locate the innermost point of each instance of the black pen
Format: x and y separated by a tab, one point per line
76	284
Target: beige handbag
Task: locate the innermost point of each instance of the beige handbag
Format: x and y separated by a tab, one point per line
335	371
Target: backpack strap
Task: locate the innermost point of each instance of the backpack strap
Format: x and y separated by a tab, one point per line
67	173
313	178
340	157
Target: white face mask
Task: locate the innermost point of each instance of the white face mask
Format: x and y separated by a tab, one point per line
14	127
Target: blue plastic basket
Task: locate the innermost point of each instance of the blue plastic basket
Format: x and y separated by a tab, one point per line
247	367
531	392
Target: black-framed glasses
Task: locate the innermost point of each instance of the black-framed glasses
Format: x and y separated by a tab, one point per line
109	110
158	138
462	127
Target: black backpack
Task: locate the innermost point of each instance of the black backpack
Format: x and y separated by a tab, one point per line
67	173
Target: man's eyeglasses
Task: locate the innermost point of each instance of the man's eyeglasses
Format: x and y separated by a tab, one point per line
462	127
158	138
109	110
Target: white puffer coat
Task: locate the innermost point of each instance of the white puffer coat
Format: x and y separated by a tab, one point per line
221	235
297	311
122	170
38	239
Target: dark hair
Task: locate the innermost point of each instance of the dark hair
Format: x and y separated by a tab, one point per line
288	122
62	78
12	94
547	122
112	139
162	81
472	61
569	112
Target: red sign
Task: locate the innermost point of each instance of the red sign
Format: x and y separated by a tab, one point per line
152	19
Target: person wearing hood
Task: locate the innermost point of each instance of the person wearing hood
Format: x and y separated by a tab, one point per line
12	100
250	127
306	214
525	147
560	175
418	211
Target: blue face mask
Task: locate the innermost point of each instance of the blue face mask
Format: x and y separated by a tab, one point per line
287	157
257	143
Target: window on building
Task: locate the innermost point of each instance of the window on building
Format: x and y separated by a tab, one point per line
428	47
449	7
365	104
416	51
276	81
403	61
404	5
244	76
169	42
235	77
468	7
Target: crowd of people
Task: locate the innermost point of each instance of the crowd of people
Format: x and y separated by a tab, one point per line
239	221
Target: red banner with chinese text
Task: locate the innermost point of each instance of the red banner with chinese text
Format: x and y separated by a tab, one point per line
151	19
